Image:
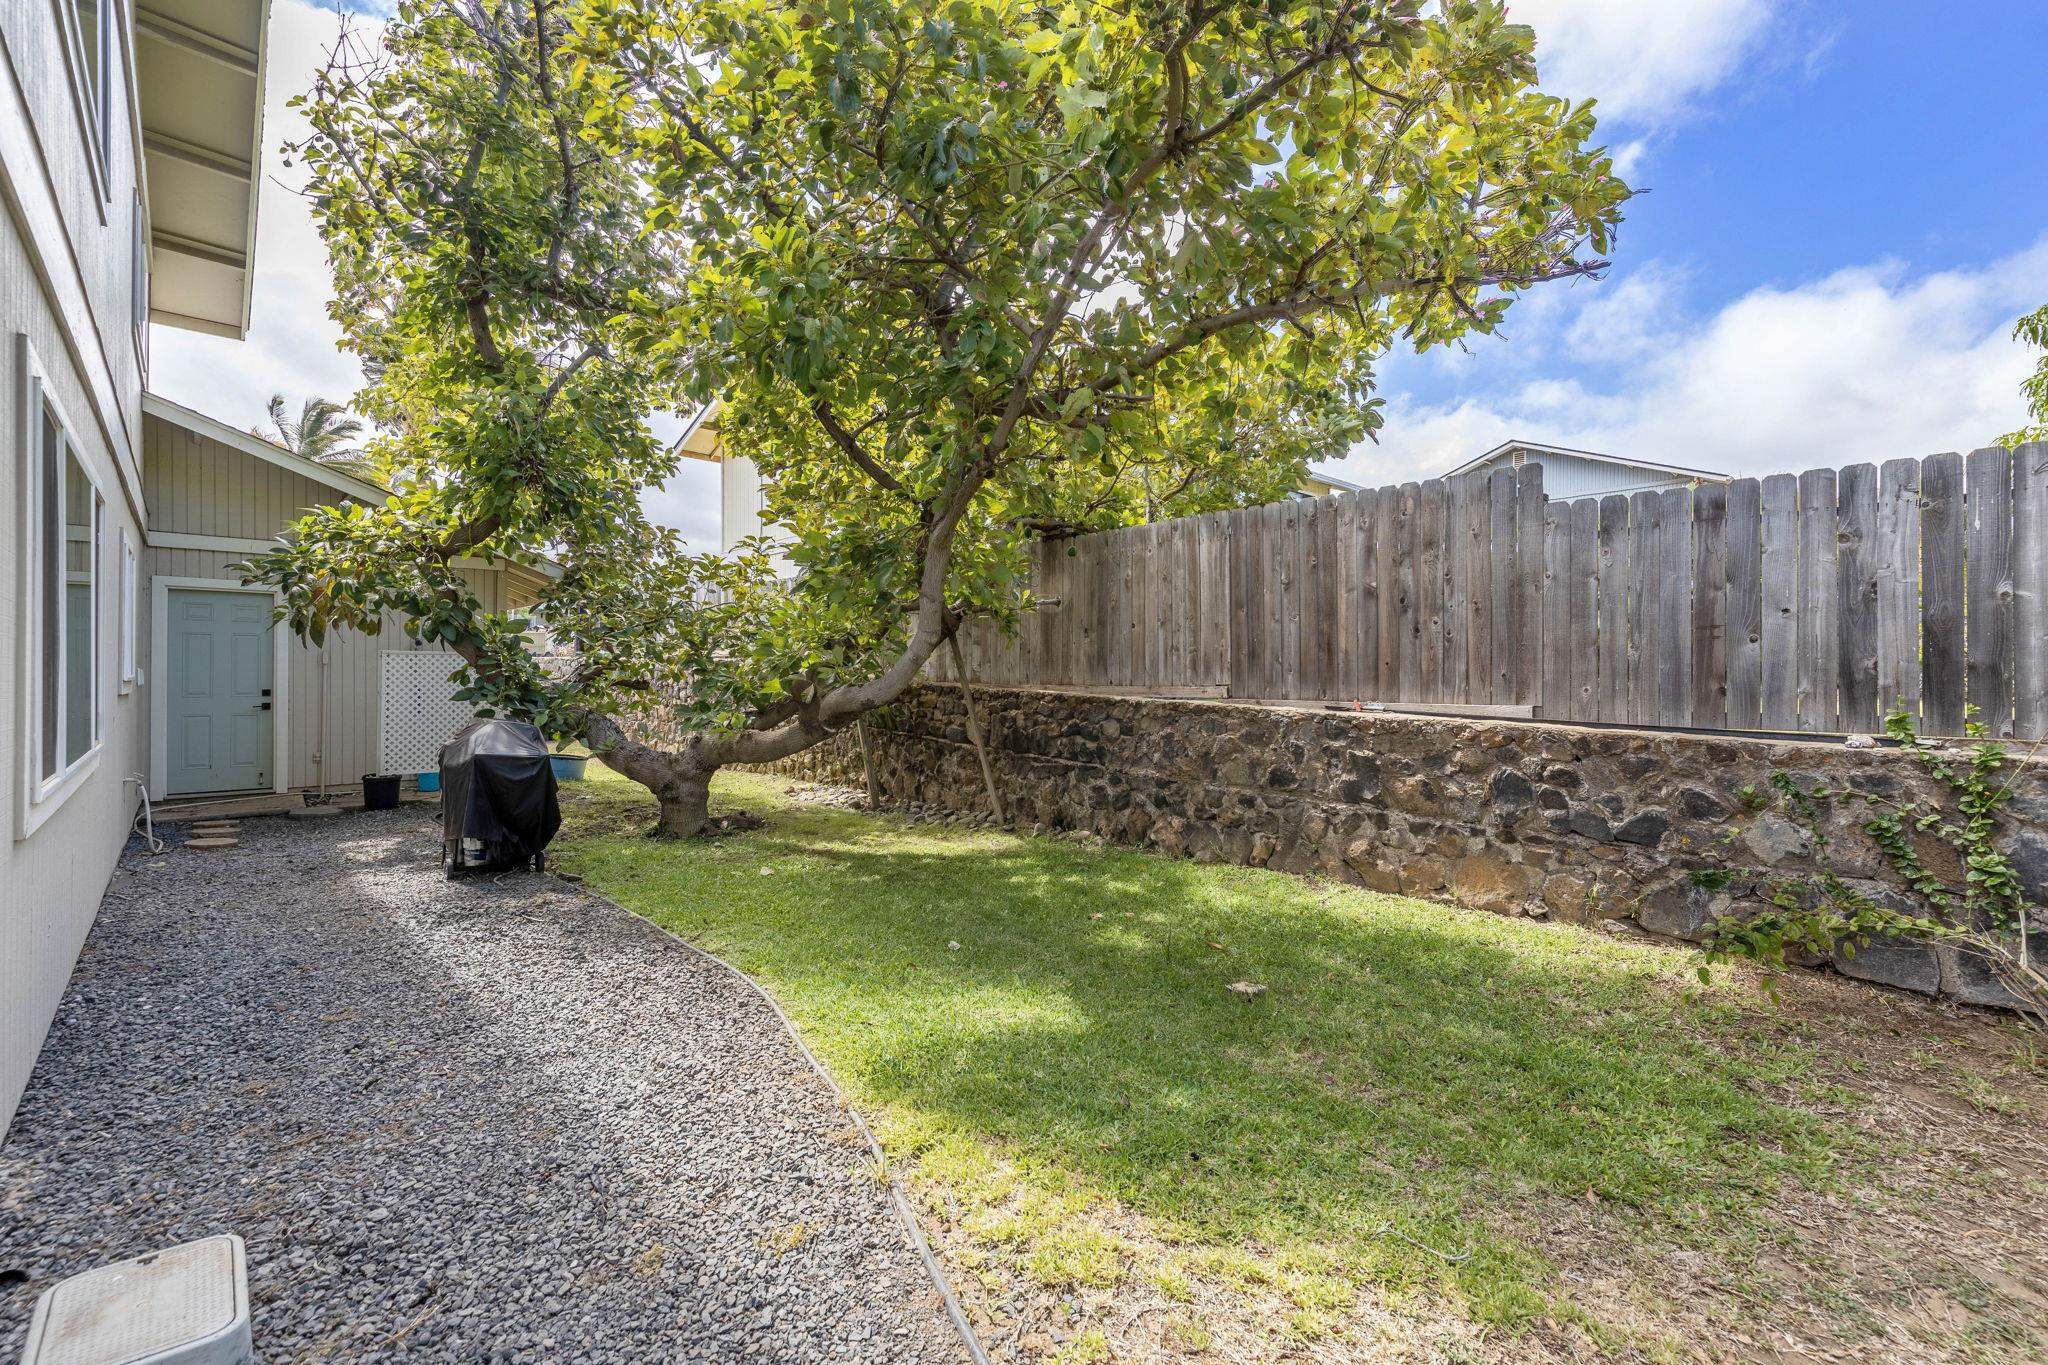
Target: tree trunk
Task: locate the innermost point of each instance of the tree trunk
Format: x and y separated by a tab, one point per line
685	807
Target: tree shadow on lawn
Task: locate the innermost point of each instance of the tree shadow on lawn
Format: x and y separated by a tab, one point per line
1410	1069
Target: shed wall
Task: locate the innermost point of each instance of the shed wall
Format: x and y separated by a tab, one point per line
199	486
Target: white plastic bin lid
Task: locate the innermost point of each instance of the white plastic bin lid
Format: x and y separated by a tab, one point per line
188	1305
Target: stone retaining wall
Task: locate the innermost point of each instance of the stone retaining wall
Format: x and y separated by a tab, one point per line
1543	820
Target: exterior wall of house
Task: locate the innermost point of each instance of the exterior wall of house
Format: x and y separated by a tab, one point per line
1568	476
66	287
198	486
739	501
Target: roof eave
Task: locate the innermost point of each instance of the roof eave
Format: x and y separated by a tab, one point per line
202	159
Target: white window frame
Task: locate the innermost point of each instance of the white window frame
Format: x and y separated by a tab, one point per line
139	267
131	606
93	96
43	794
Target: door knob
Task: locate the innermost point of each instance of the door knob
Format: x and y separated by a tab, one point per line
264	707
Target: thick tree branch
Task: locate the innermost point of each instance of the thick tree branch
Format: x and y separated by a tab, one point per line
849	445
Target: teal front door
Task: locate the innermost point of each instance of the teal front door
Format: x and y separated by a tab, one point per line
218	691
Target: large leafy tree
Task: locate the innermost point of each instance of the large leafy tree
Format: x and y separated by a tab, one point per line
2033	330
958	270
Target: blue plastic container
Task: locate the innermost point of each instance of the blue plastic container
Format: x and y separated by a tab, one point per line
430	782
568	767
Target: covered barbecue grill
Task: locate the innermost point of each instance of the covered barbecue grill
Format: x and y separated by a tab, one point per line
498	806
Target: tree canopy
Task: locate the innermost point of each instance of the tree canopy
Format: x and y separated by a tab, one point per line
959	272
2033	330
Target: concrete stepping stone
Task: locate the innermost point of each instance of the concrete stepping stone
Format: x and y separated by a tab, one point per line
213	841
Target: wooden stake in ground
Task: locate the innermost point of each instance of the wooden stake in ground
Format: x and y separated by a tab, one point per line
988	772
867	764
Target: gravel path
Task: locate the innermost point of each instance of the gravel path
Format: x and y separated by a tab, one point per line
466	1121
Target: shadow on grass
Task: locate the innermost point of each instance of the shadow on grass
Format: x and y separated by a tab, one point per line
1408	1066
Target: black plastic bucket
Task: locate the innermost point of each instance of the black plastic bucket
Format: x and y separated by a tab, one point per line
380	791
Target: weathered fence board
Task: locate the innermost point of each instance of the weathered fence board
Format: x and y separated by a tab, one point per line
1557	621
1745	619
1431	509
1529	504
1583	657
1898	587
1816	603
1941	594
1780	659
1387	529
1987	602
1407	681
1708	665
2030	588
1856	596
1613	610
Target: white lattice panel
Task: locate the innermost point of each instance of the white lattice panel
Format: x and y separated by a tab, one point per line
417	711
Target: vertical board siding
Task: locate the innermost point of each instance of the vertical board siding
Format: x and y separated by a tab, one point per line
1815	603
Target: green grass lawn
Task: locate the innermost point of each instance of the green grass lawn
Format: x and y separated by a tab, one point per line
1038	1029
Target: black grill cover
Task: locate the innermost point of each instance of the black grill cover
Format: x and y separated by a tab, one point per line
498	788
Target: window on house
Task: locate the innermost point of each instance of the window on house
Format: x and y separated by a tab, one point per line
67	524
95	32
129	607
138	284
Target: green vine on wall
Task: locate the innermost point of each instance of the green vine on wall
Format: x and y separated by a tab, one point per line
1821	913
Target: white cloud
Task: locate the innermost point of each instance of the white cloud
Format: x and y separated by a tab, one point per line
1868	363
1644	60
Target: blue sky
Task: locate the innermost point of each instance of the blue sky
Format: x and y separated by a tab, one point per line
1846	208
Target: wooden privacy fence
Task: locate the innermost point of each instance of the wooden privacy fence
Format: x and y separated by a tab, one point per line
1814	603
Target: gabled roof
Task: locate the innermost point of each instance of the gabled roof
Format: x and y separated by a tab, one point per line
700	437
249	443
199	86
1331	482
177	414
1507	447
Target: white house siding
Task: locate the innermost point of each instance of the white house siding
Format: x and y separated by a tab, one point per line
65	261
1569	476
195	485
739	501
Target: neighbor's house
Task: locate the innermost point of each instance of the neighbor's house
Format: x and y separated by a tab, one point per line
739	481
130	654
1571	473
